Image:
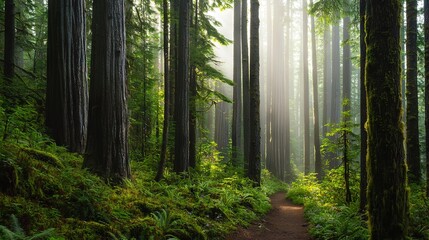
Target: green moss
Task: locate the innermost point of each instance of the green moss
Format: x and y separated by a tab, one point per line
43	156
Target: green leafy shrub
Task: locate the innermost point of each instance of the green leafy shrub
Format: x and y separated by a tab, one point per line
325	207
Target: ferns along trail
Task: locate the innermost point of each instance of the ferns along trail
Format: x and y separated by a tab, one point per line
214	119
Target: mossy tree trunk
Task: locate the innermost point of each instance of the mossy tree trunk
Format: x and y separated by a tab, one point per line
363	113
426	32
254	169
107	147
412	136
387	176
67	90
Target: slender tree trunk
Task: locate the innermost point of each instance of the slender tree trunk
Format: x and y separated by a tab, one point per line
306	89
317	155
363	112
347	65
287	86
181	161
9	49
254	170
236	115
246	84
412	139
193	97
426	32
107	147
163	155
269	155
387	176
327	70
336	87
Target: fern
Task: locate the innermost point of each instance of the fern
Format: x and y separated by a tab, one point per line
17	233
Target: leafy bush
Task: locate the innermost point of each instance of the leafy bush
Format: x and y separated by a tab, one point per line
325	209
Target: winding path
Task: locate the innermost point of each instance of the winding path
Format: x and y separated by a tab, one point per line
284	221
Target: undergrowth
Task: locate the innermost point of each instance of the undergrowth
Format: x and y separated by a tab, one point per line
44	187
331	218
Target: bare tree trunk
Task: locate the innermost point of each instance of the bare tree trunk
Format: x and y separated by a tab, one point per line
181	161
246	84
67	90
317	155
336	86
254	170
9	50
163	155
236	115
412	139
107	147
327	77
306	89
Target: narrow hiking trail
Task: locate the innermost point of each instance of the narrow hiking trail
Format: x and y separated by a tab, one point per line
284	221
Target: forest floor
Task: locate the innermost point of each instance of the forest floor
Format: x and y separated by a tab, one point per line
284	221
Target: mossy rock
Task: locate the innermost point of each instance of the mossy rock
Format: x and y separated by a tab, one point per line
43	156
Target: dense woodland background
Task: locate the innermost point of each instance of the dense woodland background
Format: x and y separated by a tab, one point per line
175	119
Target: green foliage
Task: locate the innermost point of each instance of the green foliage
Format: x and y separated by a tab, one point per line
48	189
325	208
17	233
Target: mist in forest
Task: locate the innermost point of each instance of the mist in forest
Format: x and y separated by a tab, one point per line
285	69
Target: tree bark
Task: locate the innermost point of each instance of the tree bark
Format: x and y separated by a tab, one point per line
254	170
181	161
412	134
363	113
236	115
193	97
426	33
306	92
317	154
327	77
107	147
246	84
387	176
163	155
9	49
67	87
336	87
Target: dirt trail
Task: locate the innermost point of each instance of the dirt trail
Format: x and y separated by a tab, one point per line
284	221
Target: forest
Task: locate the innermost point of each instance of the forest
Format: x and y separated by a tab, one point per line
214	119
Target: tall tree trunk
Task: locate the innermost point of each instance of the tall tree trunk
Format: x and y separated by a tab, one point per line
9	50
306	87
163	155
67	90
254	170
336	86
317	155
412	139
193	96
246	84
287	86
269	93
236	115
181	161
327	77
363	112
107	147
387	176
347	65
426	32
